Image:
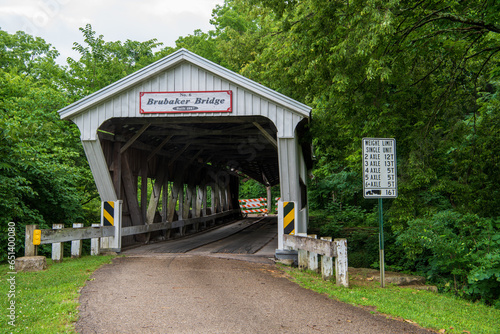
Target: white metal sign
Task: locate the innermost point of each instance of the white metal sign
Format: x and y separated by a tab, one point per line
185	102
379	168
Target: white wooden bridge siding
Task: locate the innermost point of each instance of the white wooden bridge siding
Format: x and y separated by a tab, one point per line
187	77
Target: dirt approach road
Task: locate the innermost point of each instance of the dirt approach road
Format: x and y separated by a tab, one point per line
209	292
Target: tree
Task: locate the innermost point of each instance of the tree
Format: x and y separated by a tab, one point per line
44	176
24	54
424	72
102	63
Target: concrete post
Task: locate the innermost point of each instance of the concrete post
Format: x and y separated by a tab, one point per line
57	247
303	254
76	245
326	263
29	248
341	265
94	242
313	263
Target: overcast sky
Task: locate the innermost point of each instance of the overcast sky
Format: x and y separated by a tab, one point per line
57	21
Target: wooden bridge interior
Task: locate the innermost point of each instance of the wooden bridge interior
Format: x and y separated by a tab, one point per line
193	164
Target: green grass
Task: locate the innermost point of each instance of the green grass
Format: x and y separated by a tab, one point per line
47	301
427	309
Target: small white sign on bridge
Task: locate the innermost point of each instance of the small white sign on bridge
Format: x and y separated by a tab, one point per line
379	168
186	102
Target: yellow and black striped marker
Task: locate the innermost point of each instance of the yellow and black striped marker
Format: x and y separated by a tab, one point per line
108	213
289	217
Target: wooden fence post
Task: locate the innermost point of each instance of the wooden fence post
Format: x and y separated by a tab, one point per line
57	247
94	242
326	263
29	248
76	245
341	265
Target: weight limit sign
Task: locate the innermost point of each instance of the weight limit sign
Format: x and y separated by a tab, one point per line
379	168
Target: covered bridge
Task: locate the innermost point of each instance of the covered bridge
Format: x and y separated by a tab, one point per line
191	128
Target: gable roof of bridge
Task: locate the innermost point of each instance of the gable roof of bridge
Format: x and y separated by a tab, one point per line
142	81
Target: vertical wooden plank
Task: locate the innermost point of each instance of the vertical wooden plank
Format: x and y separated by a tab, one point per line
117	167
178	78
94	242
226	196
212	198
180	212
199	201
57	247
341	265
194	202
194	208
222	195
155	197
76	245
256	105
229	188
144	189
209	81
269	200
29	248
165	203
130	188
235	192
215	198
173	199
202	80
187	201
164	200
204	200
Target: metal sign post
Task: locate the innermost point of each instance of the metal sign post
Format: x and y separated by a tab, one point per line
381	242
380	181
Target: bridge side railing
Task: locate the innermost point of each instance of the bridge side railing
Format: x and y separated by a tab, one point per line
97	233
310	249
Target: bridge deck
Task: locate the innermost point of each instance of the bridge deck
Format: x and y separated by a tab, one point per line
246	236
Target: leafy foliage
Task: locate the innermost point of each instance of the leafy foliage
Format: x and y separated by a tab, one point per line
44	175
464	247
423	72
102	63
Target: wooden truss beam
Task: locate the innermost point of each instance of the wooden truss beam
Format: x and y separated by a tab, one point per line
134	137
267	135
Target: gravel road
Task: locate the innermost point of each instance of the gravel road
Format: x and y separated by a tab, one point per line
192	293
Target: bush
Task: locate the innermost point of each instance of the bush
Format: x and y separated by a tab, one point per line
460	252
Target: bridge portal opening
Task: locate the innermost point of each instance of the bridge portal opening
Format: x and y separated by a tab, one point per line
175	169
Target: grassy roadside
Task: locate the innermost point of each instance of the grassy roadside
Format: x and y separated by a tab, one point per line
442	313
46	302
